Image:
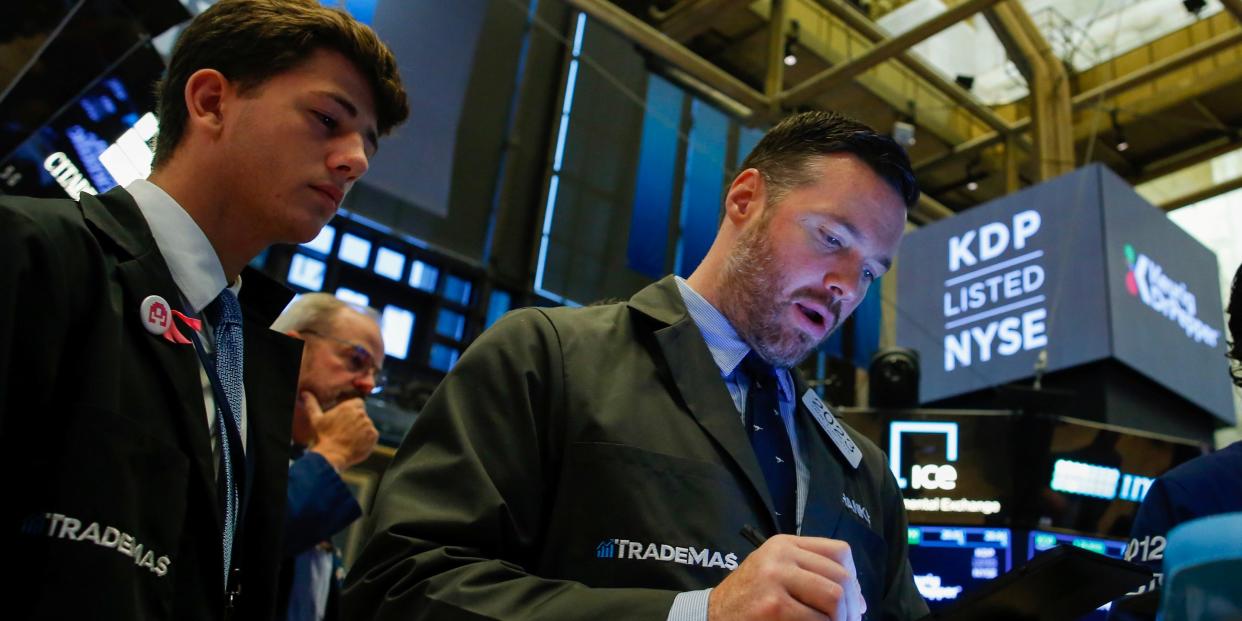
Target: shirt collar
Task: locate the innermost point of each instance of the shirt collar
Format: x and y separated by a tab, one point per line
191	259
727	348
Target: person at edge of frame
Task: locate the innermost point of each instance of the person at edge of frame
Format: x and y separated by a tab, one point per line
144	410
1207	485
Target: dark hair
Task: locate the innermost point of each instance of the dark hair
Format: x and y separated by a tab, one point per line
250	41
783	153
1235	329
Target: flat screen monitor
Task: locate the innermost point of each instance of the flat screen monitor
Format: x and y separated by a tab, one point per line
1094	476
950	561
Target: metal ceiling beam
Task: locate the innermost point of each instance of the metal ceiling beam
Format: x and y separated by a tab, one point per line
775	74
867	28
1234	7
1053	121
1201	195
971	147
929	210
690	18
1089	97
1187	158
661	45
834	76
1159	68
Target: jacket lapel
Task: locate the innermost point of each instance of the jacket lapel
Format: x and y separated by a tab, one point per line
827	486
145	273
698	381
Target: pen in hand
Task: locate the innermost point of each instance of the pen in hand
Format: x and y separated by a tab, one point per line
749	533
752	534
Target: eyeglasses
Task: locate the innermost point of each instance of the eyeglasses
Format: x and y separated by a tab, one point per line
359	361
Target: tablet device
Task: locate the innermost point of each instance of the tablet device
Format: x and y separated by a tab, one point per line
1146	603
1065	582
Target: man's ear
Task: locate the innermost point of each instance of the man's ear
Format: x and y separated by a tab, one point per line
205	93
745	197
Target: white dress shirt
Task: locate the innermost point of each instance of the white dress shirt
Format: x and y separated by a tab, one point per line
196	269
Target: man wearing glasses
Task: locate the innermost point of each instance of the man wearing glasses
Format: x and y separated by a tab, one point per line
331	432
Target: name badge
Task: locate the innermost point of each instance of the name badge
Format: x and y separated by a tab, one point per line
835	431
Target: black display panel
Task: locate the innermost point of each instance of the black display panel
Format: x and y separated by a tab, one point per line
952	469
1075	270
983	293
949	561
1165	302
1093	477
1001	468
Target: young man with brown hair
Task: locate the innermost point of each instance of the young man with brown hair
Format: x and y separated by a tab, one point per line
144	410
625	460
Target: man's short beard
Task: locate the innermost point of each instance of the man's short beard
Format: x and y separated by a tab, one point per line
750	294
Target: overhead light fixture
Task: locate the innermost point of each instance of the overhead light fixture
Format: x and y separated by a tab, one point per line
791	57
1122	144
791	44
972	177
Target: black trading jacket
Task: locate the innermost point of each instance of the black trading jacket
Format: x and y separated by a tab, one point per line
110	508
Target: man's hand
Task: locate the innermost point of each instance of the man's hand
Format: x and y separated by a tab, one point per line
343	435
791	578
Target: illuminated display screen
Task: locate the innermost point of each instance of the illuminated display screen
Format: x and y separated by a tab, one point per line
1041	541
1095	477
355	250
306	272
423	276
91	148
952	471
97	142
985	294
323	241
1098	481
389	263
949	561
353	297
398	326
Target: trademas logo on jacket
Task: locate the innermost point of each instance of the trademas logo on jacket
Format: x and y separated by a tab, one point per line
638	551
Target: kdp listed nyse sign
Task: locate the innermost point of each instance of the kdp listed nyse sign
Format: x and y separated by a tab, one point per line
994	303
1075	270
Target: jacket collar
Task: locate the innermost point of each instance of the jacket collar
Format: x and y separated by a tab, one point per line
698	382
697	378
116	215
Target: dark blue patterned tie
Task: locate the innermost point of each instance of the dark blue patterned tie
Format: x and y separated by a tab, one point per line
226	319
770	440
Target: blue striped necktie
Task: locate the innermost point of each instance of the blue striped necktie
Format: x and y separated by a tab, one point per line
226	319
770	440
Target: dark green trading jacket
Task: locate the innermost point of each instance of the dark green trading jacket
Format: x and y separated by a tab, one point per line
590	464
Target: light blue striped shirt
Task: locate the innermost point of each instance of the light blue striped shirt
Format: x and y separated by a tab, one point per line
728	350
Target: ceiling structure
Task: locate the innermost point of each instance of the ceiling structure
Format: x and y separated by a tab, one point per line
1148	87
